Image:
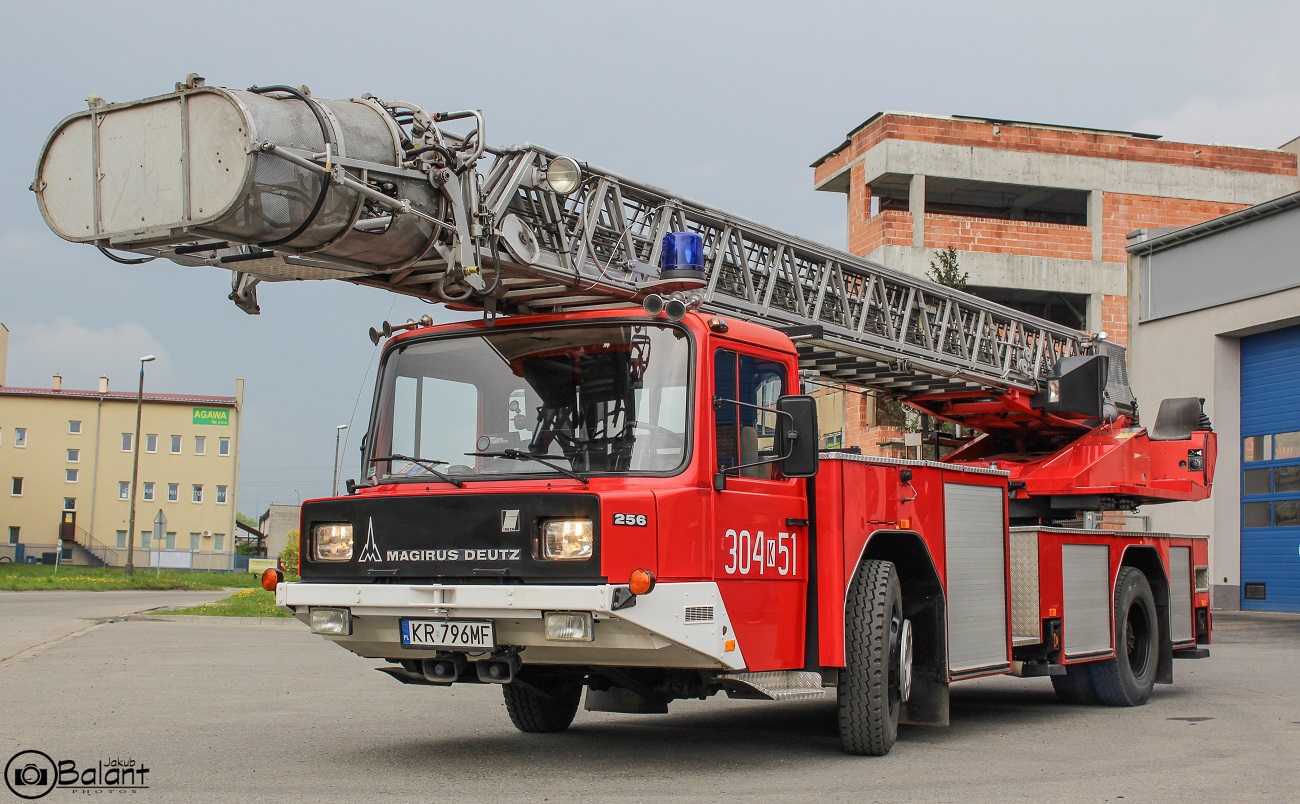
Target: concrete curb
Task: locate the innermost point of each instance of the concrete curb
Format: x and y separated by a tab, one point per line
234	622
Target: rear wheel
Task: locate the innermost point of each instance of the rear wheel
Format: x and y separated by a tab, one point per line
1127	679
878	661
1075	687
542	703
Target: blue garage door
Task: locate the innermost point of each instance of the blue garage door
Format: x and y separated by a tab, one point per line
1270	471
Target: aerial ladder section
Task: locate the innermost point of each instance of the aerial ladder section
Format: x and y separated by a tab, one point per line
274	184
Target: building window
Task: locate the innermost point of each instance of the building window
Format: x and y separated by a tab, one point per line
198	493
223	446
69	503
13	534
124	489
127	441
176	445
16	488
834	440
218	542
74	456
74	427
148	492
146	536
121	540
151	442
70	475
173	492
200	445
20	436
170	544
221	495
196	542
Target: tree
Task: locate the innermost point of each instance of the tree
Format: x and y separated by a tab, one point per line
945	271
289	555
895	414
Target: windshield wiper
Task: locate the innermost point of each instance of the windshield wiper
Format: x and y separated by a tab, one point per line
520	455
427	465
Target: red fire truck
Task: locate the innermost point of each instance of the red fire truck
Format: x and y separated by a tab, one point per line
612	481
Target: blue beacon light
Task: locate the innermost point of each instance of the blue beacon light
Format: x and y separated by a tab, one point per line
682	257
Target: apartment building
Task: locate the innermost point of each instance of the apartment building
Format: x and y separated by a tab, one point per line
65	469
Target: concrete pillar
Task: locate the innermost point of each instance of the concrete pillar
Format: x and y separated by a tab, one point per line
1224	409
916	205
1095	223
1095	303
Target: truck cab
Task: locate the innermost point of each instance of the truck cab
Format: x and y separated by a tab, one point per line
542	497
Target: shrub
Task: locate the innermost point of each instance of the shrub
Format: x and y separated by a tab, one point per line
289	555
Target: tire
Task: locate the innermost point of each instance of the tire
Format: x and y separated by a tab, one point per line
872	686
542	704
1128	678
1075	687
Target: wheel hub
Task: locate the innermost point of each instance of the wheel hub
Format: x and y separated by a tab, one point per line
905	661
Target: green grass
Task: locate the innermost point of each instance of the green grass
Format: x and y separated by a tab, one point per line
28	577
244	603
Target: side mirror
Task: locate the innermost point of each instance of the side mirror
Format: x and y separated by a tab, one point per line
796	435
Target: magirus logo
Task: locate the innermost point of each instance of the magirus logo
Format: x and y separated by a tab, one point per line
370	553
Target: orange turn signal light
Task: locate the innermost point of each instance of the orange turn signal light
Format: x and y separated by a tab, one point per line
641	582
271	578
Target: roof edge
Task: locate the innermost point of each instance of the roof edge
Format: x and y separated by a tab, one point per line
1214	225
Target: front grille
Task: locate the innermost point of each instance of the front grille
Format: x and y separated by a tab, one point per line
699	614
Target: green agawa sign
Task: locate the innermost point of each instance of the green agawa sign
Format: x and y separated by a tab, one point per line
213	416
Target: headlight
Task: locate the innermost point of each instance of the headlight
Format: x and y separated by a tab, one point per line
336	622
570	626
332	541
566	539
563	175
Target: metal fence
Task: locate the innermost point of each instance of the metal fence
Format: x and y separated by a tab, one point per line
94	553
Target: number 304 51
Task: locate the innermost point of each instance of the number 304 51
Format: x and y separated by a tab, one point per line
758	554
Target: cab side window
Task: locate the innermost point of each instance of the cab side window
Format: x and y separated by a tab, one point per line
744	434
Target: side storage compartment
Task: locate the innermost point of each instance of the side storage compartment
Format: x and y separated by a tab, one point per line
975	550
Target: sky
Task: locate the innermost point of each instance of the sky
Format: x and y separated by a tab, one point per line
725	103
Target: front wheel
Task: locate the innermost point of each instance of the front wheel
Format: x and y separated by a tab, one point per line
542	704
1127	679
878	661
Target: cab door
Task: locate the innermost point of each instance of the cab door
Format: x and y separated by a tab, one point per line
759	520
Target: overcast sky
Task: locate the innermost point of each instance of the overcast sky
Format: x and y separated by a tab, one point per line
727	103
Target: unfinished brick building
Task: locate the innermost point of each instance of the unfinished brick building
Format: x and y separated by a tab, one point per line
1038	213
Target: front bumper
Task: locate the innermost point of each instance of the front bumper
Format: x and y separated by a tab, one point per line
679	625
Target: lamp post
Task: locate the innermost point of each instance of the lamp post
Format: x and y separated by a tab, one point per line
338	432
135	471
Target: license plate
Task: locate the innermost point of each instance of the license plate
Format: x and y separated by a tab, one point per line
448	634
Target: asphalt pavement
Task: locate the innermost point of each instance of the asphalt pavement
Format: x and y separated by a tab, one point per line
231	710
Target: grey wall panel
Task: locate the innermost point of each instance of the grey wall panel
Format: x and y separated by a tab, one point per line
975	547
1209	271
1180	594
1085	571
1026	625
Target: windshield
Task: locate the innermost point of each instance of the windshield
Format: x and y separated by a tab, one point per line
605	398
